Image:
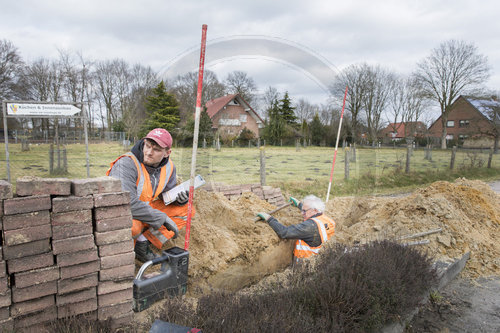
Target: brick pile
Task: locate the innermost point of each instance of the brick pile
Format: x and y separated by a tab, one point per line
232	192
66	250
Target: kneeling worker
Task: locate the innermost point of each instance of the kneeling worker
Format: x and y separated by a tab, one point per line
147	172
316	228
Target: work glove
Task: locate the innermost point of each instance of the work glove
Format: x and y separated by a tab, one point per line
264	216
170	225
182	197
294	202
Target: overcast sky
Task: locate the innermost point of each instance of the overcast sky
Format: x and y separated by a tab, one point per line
286	44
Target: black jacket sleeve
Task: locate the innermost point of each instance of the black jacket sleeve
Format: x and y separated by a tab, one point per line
307	231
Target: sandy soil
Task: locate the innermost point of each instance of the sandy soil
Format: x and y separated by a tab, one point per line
229	250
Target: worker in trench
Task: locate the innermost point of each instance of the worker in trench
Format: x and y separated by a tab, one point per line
147	172
316	228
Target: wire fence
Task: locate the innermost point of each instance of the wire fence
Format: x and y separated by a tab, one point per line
238	165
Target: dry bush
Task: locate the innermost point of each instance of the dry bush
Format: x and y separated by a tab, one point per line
345	290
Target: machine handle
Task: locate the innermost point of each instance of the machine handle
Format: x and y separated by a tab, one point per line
155	261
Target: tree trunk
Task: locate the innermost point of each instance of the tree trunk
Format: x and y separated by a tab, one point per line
444	120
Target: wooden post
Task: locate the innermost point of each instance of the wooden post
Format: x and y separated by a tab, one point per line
204	143
408	158
65	161
262	167
297	145
346	163
51	159
452	161
490	157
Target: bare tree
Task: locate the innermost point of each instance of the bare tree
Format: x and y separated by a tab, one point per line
379	84
305	110
354	77
110	80
239	82
142	80
407	104
185	89
449	71
10	70
268	100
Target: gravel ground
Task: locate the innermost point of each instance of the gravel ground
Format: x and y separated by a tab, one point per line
463	305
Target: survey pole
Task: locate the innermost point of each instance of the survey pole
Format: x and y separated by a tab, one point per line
195	136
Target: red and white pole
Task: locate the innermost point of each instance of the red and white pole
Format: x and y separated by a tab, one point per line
336	146
196	131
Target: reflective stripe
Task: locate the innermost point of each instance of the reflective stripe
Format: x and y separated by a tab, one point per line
306	248
322	229
158	235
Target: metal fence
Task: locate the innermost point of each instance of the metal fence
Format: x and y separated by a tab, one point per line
243	165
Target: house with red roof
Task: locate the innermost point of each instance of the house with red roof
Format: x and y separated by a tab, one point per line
475	122
400	131
230	114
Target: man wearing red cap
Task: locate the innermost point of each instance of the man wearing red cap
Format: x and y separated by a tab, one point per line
147	172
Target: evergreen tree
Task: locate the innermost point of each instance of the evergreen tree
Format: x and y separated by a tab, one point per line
276	128
205	128
317	130
162	109
286	110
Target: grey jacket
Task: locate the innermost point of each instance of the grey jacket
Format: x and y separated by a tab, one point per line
126	171
306	231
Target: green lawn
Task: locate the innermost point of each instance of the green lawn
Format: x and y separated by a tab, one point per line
284	165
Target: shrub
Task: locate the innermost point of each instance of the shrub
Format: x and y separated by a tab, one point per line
344	290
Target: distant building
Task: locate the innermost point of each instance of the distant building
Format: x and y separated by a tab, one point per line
473	122
231	114
403	130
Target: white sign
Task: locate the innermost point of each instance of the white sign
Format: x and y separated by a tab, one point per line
25	109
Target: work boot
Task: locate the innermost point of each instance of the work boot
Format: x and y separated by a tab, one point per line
143	251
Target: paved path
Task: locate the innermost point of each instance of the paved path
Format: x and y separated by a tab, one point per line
495	186
466	306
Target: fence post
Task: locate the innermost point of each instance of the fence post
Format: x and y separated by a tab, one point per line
452	161
51	159
408	158
346	163
352	154
490	157
297	144
262	167
217	144
204	143
65	161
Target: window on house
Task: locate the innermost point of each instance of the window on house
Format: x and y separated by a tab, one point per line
449	137
450	123
463	123
462	136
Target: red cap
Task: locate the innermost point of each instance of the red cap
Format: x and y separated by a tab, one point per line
161	137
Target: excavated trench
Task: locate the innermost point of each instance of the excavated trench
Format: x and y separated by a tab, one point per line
229	251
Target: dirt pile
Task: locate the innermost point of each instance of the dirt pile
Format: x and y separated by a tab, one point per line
468	212
228	250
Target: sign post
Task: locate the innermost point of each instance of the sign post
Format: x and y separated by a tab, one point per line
36	109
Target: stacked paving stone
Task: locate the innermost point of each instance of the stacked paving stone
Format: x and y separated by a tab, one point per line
232	192
113	221
56	252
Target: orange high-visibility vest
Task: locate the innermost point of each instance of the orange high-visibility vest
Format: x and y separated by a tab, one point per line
326	228
145	192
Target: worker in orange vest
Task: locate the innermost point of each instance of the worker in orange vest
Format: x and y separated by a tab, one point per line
311	234
147	172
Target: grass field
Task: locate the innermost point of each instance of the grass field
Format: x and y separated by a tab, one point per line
287	167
